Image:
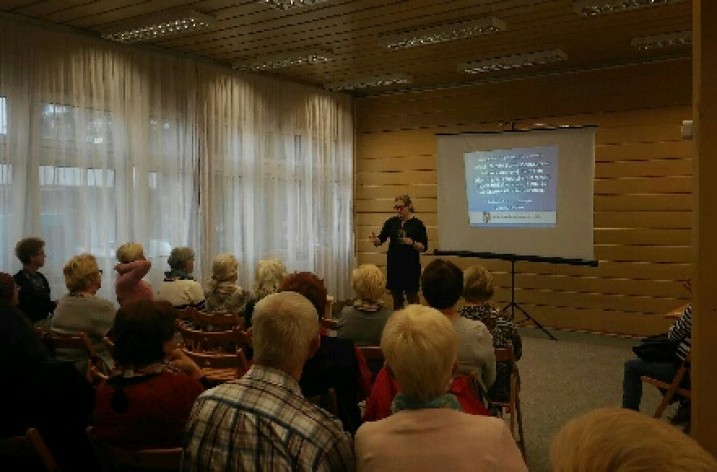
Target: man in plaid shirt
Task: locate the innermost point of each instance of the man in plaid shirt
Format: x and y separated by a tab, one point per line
261	421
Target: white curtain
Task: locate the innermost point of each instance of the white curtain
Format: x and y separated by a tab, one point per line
102	144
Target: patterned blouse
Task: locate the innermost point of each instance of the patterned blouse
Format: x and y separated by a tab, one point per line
503	330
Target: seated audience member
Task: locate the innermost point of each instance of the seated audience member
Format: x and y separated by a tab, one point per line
680	332
33	289
385	388
178	287
615	440
268	276
363	322
478	288
427	430
8	290
42	393
336	363
148	398
442	284
223	294
82	311
262	421
131	269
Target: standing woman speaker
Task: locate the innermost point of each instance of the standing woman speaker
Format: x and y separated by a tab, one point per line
408	239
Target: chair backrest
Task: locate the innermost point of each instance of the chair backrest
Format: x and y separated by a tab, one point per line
505	354
114	457
374	358
208	341
206	360
27	446
78	342
208	321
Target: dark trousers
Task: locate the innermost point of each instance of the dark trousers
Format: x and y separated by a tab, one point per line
632	385
398	299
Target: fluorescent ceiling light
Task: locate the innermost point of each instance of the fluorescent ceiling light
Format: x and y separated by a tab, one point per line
286	4
598	7
170	23
442	33
290	59
511	62
371	81
667	40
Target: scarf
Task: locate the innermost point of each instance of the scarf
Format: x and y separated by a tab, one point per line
447	400
177	274
368	305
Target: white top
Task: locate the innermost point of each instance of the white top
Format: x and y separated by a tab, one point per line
437	439
182	293
475	349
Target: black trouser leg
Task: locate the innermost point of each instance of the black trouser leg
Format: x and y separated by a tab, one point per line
397	299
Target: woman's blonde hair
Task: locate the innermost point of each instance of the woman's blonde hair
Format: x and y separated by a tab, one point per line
179	257
129	252
478	284
621	440
269	275
368	282
421	349
79	272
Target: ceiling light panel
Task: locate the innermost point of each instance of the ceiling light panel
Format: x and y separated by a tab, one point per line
290	59
286	4
369	82
442	33
171	23
496	64
599	7
658	41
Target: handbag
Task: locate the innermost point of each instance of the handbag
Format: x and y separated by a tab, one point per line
657	348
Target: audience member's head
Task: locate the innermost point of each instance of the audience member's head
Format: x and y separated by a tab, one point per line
143	333
82	274
269	275
130	252
31	251
368	282
621	440
421	350
478	284
308	285
442	284
181	259
225	268
8	290
285	331
20	346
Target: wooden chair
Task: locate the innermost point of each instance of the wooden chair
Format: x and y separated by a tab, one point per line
109	343
207	321
114	458
220	367
210	341
28	446
329	324
78	342
672	388
512	406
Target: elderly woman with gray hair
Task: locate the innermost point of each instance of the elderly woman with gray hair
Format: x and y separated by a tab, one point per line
268	276
82	311
427	430
223	294
179	287
363	321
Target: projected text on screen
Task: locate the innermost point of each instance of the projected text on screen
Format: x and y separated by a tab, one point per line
512	187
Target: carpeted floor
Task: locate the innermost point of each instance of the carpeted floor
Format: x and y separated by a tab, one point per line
561	380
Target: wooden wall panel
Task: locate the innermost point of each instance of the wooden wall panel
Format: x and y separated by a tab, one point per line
643	184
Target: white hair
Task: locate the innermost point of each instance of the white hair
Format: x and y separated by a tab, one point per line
129	252
269	275
421	349
284	325
368	282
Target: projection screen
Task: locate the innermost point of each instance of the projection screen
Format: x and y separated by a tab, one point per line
527	193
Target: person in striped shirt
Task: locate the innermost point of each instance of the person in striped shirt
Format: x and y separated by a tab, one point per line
680	332
261	421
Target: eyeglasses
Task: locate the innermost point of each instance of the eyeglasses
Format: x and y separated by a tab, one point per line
399	207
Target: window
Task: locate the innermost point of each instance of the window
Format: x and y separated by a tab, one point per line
3	116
